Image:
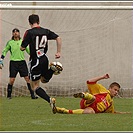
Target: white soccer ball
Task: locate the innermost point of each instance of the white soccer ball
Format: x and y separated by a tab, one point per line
57	72
57	67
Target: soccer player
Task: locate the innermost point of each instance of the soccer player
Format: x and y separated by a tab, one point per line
37	38
17	62
98	100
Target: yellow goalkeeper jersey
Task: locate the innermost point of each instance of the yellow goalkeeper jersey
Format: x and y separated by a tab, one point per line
103	102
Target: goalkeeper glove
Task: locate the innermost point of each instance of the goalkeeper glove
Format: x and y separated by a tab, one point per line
1	63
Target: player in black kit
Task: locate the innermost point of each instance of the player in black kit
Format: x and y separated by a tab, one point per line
37	38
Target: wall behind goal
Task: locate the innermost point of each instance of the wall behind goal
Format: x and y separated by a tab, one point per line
94	42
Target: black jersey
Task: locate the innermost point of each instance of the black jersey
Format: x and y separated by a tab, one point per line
37	39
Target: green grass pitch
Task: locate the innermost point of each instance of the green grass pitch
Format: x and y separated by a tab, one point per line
26	114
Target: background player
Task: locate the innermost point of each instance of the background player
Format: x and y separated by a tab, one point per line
99	100
17	62
37	38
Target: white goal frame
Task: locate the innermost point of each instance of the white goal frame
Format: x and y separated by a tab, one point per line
31	7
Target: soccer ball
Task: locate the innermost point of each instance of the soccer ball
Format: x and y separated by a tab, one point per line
57	72
57	67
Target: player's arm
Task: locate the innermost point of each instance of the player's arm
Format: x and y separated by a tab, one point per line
111	110
95	88
26	41
27	50
51	36
4	52
118	112
94	80
22	48
59	44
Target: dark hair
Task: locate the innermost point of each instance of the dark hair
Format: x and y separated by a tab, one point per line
114	84
15	29
33	19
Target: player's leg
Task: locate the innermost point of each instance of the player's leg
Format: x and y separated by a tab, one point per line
9	87
87	96
48	71
67	111
76	111
85	110
87	99
88	110
12	75
23	70
42	93
29	88
35	75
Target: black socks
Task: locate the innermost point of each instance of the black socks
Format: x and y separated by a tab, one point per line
9	91
40	92
31	91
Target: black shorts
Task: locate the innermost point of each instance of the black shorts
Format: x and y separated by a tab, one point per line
18	67
38	67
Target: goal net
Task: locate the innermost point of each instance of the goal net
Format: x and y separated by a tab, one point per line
94	42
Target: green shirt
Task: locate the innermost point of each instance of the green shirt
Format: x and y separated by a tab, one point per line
15	53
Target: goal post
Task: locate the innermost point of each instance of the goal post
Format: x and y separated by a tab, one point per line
95	40
35	7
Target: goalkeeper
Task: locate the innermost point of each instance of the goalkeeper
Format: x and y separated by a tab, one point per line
17	62
99	100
